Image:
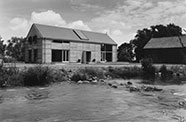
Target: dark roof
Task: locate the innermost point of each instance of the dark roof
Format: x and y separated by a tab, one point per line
166	42
53	32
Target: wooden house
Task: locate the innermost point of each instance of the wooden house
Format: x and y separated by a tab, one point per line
167	50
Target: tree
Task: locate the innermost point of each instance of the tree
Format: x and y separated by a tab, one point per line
143	36
125	52
2	47
16	48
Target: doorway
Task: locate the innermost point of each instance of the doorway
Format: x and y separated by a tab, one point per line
86	58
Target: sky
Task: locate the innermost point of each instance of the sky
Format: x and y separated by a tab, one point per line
120	19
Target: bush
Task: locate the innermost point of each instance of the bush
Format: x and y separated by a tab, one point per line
37	76
87	74
165	74
148	69
59	75
10	77
124	72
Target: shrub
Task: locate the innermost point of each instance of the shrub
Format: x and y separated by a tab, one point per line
124	72
87	74
10	77
59	75
147	68
165	74
37	76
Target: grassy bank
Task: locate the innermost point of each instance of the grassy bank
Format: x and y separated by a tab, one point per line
44	75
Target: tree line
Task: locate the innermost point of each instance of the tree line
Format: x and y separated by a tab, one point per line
13	49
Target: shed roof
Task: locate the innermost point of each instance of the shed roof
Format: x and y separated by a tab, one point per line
166	42
53	32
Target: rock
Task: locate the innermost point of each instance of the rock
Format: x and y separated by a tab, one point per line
86	82
80	82
121	84
157	89
129	83
102	81
134	89
149	88
94	81
182	103
114	86
110	84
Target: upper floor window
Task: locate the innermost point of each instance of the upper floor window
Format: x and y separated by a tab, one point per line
60	41
30	40
66	42
106	47
57	41
35	39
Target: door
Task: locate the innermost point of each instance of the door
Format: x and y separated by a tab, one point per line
86	57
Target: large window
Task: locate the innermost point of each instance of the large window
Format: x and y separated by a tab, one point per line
60	55
106	52
56	55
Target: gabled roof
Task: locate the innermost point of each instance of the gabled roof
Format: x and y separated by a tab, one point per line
166	42
53	32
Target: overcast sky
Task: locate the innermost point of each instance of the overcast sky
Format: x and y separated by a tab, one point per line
118	18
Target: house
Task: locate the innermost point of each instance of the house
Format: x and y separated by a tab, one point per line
166	49
48	44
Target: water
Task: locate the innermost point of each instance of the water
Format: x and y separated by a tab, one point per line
92	103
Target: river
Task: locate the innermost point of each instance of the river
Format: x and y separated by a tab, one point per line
65	102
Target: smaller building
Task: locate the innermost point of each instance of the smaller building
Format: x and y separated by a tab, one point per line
48	44
167	50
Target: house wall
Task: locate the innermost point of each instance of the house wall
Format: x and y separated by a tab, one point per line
114	53
169	55
76	50
37	46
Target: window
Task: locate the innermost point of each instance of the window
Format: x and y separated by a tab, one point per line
57	41
106	52
60	55
35	39
65	55
56	55
30	40
60	41
66	42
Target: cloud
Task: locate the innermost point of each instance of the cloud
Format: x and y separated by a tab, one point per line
18	24
79	25
48	17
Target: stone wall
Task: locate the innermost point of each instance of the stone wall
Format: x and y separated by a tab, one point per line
114	53
77	48
37	46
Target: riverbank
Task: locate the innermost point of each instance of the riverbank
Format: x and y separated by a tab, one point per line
43	75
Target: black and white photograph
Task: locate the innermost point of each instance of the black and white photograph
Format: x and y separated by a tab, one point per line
92	60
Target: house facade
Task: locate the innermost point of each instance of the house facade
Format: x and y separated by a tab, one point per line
50	44
170	50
